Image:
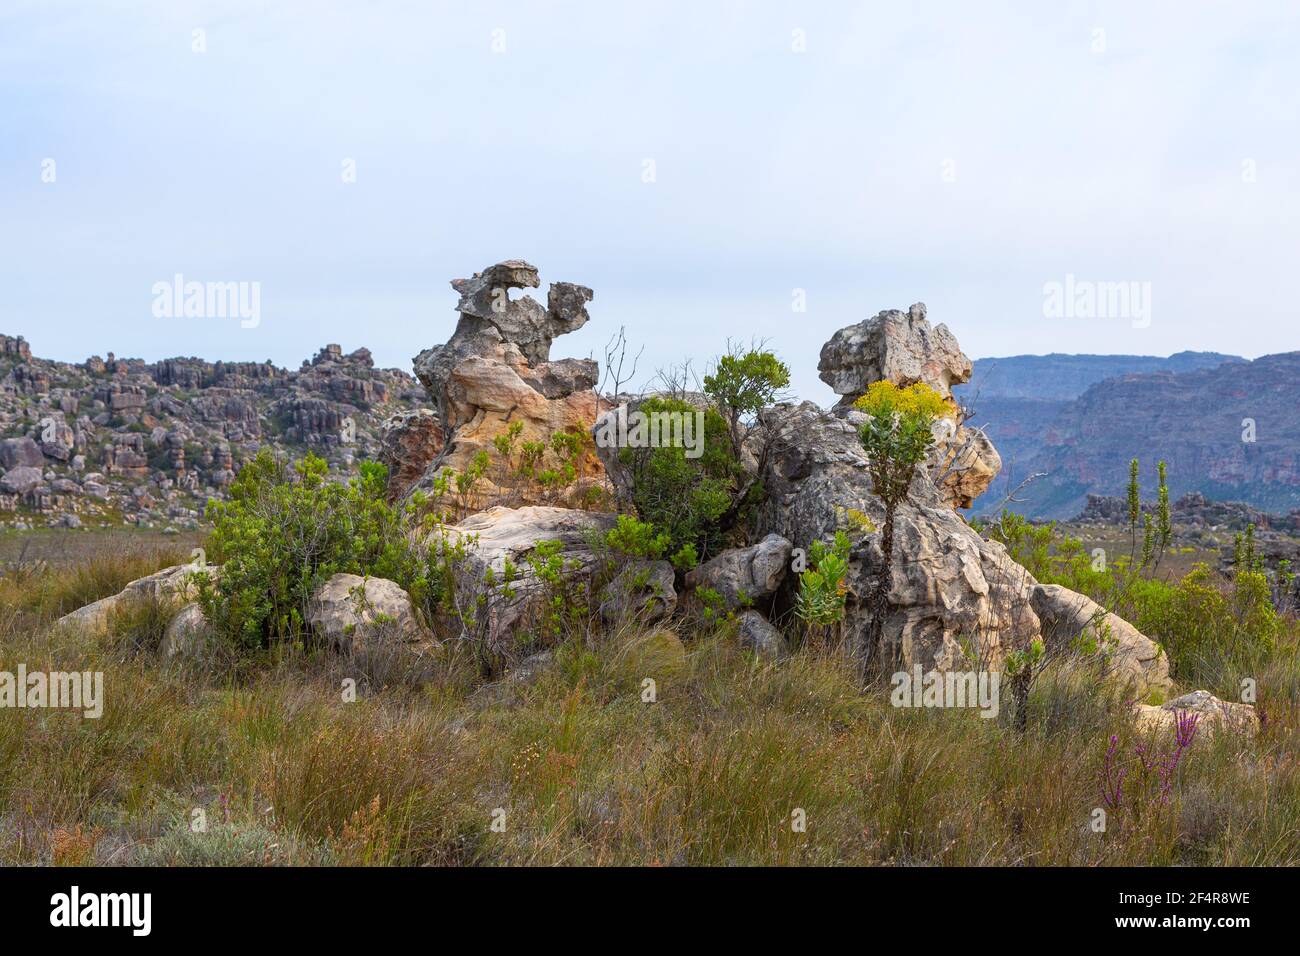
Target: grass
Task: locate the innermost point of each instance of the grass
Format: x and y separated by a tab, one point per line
734	762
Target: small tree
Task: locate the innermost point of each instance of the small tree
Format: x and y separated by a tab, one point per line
897	436
745	383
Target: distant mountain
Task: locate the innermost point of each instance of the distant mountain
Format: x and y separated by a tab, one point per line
1062	377
1080	419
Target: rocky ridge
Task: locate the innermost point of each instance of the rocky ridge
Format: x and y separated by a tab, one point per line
149	443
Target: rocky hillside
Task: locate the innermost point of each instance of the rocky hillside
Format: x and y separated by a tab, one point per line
148	443
1195	418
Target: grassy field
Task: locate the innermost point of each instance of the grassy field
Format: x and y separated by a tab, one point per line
735	761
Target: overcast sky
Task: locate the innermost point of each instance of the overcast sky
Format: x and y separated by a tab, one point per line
695	163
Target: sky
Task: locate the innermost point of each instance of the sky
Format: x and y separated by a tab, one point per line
715	171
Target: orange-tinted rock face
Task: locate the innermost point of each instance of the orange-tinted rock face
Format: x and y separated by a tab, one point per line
494	373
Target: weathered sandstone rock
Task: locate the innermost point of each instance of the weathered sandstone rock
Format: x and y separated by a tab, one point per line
903	348
900	347
1213	715
1066	615
953	596
170	584
186	634
495	370
500	536
350	613
759	635
20	480
643	592
411	441
20	451
745	576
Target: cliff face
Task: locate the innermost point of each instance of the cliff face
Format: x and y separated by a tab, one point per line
1199	421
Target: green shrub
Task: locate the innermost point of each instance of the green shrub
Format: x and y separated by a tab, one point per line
822	587
636	539
284	530
745	383
688	498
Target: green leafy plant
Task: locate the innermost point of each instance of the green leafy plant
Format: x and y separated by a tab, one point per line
823	586
634	538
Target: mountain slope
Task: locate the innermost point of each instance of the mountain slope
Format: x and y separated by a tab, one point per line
1196	420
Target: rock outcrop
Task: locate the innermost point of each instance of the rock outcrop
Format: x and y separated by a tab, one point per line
758	634
175	584
956	600
893	346
148	444
187	635
1212	715
496	370
643	592
1066	615
903	348
954	596
411	441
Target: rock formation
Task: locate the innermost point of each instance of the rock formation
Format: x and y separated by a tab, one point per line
496	370
150	443
956	599
351	613
500	537
745	576
903	348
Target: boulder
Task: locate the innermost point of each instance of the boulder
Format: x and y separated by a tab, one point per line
503	536
758	634
21	451
643	591
21	479
900	347
350	613
1213	715
953	595
170	584
956	600
186	635
903	348
745	576
58	440
1066	615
